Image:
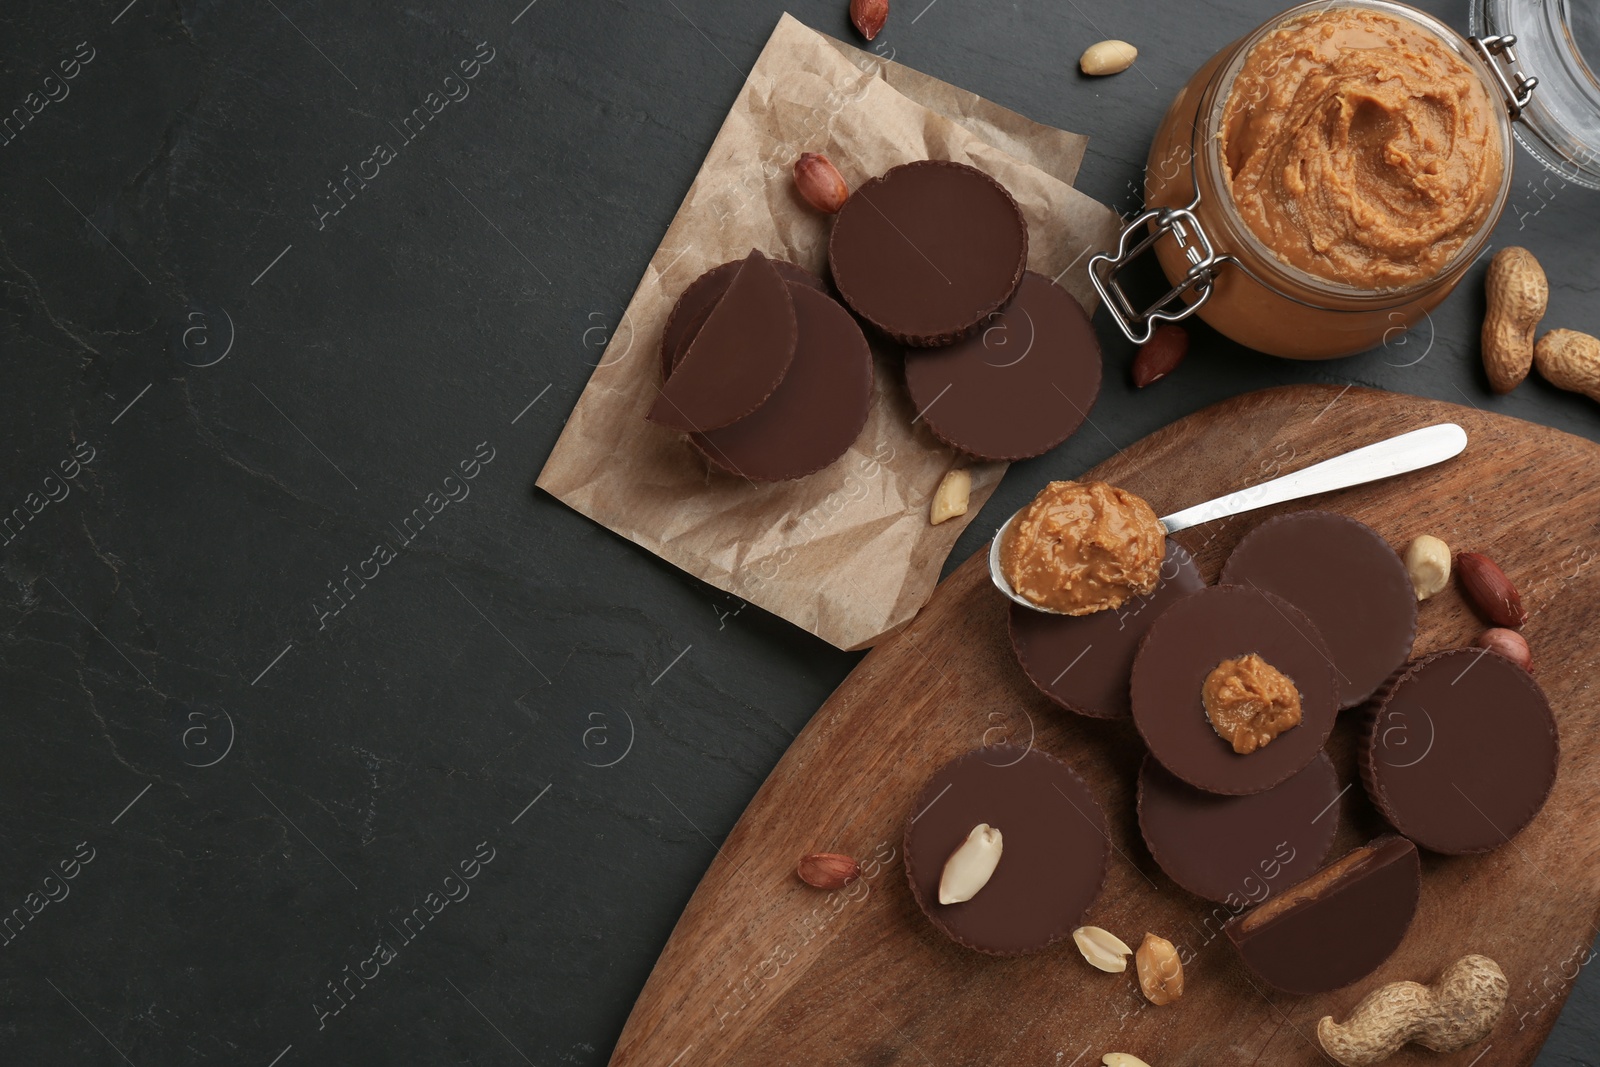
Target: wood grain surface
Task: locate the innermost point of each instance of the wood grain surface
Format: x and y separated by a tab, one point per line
764	970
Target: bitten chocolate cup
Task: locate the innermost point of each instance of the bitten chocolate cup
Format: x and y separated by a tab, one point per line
1186	643
1339	925
737	358
1082	662
1348	579
1054	855
928	250
818	409
1460	751
694	306
1239	850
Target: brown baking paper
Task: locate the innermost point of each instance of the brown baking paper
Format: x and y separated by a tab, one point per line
847	553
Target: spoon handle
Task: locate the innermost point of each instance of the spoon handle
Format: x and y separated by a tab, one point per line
1397	455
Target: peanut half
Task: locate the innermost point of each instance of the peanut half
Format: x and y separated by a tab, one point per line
971	865
819	181
951	498
827	870
869	16
1428	563
1103	949
1160	356
1160	970
1508	643
1108	57
1490	590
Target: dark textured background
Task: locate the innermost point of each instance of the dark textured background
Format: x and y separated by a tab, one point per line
160	617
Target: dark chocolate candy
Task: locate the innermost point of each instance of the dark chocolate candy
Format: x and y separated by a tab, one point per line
1239	850
702	294
1082	662
1347	578
928	250
738	357
1018	385
1339	925
1460	751
817	410
1186	643
1054	848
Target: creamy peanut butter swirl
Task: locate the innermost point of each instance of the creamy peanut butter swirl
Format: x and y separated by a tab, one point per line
1360	148
1083	547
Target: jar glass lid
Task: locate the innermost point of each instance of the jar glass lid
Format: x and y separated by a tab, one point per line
1558	42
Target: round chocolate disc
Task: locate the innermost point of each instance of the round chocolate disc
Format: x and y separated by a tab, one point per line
696	302
1239	850
1054	848
1082	662
817	410
1018	385
1460	751
1186	643
928	250
1347	578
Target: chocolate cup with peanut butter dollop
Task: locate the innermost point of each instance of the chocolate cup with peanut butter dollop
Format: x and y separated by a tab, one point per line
1083	547
1186	644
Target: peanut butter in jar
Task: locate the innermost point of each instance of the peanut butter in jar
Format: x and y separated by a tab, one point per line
1319	186
1359	148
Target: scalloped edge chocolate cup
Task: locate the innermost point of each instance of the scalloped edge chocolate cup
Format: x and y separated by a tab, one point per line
1387	579
1188	571
1314	678
1372	736
911	336
1325	832
1022	406
923	801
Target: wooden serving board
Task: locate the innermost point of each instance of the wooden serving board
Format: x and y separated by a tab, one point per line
763	970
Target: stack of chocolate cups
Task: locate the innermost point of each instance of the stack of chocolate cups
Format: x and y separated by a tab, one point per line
772	378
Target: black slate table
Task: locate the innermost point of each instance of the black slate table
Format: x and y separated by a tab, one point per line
274	795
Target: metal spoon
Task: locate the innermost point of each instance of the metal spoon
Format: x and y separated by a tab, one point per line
1396	455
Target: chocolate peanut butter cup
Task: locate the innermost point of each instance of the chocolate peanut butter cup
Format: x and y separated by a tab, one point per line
1343	575
1082	662
696	301
739	356
1186	643
1239	850
1055	848
1339	925
817	410
928	250
1460	751
1019	384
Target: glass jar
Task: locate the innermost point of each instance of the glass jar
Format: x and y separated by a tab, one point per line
1560	39
1221	270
